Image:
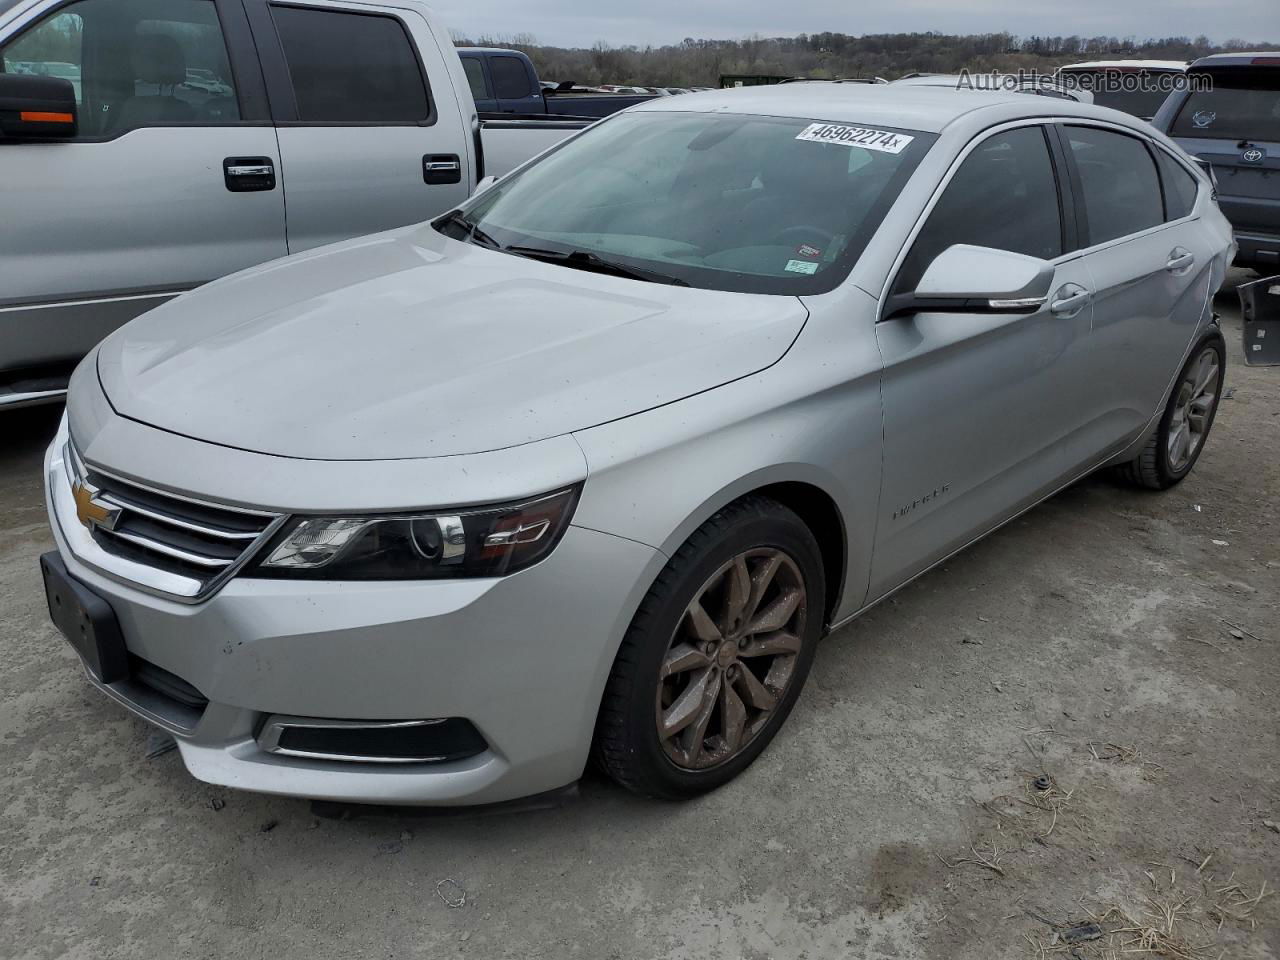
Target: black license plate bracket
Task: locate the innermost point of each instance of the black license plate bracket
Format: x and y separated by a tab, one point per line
86	621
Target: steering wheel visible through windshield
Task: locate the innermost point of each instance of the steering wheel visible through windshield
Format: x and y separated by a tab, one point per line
710	200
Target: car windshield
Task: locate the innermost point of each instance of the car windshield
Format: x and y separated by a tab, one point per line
715	201
1230	113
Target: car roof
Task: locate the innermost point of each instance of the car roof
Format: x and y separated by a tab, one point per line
515	53
929	80
1242	59
971	81
1178	65
905	106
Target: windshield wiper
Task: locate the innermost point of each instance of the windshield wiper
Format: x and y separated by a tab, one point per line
473	232
593	263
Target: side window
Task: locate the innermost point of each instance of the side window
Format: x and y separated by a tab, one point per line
475	78
1180	187
1118	176
351	67
133	65
510	78
1004	196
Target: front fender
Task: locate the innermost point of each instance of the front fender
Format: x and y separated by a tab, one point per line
813	418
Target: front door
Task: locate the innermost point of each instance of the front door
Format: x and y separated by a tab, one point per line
979	408
145	202
371	135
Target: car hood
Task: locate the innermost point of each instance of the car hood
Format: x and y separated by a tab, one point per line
409	344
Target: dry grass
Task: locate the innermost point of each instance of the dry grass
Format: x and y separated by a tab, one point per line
1036	811
1232	902
989	860
1042	793
1121	754
1171	924
1160	929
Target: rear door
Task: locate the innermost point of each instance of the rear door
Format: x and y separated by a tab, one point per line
478	80
1235	126
980	409
1151	265
371	133
151	198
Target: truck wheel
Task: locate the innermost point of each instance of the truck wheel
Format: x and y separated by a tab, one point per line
716	655
1175	446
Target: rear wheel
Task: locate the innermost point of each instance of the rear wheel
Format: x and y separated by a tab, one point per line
716	655
1175	446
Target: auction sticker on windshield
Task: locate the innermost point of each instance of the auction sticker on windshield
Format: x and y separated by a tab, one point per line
864	137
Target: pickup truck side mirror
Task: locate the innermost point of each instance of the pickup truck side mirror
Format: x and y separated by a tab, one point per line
970	279
36	108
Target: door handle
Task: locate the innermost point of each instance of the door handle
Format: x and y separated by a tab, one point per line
1069	300
441	168
247	174
1180	260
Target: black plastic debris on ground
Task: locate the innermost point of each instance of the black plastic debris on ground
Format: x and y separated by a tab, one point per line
1082	933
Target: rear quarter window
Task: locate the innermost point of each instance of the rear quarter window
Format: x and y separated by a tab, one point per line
1180	187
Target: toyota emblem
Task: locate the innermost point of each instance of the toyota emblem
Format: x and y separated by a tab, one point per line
1253	155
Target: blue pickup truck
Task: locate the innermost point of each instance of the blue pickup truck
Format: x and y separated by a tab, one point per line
505	82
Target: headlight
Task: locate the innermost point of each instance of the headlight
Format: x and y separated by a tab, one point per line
480	542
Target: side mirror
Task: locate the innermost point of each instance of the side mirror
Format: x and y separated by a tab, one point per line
979	280
36	108
484	184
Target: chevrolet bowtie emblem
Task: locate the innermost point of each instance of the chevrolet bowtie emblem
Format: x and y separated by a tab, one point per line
93	512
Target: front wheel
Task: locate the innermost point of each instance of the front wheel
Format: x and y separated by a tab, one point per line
716	655
1175	446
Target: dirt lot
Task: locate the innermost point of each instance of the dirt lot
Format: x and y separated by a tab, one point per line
1124	646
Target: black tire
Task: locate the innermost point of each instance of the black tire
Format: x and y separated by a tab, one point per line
627	744
1152	468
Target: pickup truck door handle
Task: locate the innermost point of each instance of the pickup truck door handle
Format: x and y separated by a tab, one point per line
440	168
1069	300
247	174
1180	260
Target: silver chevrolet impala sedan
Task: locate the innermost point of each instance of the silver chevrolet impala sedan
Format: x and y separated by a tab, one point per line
587	467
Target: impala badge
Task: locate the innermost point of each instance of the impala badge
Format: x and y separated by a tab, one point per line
929	497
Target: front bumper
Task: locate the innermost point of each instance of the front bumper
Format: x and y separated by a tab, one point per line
524	658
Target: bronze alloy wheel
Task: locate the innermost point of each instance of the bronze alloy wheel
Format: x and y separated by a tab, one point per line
1194	400
731	658
1172	448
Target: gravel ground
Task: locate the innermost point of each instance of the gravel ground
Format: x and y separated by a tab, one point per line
1090	643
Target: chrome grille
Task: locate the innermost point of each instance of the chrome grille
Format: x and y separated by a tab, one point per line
198	544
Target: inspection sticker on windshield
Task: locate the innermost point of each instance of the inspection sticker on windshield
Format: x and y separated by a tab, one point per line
864	137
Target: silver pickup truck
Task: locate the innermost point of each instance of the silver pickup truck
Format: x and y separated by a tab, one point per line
149	146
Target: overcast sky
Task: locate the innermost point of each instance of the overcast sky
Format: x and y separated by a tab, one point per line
580	23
